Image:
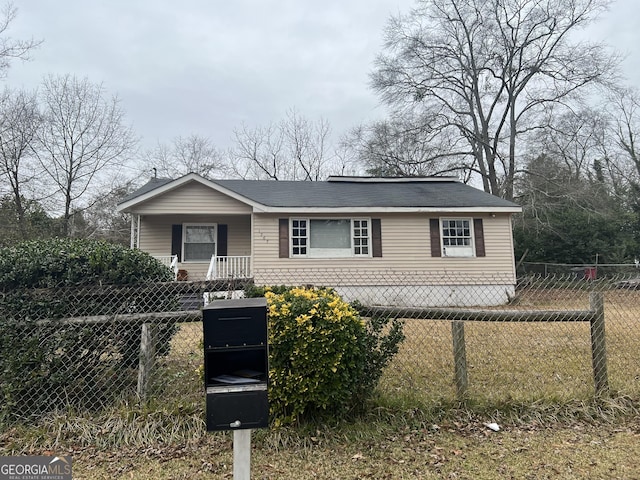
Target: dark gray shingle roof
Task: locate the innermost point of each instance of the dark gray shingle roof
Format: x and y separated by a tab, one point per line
146	188
440	193
351	193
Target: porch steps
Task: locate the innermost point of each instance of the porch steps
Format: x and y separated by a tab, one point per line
191	301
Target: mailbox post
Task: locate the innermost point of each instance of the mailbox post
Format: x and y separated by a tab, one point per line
236	369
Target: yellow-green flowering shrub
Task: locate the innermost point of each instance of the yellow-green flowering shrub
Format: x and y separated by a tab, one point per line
323	357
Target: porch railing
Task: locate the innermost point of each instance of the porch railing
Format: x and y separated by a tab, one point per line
170	261
229	267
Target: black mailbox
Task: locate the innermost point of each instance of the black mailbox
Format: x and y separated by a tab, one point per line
236	364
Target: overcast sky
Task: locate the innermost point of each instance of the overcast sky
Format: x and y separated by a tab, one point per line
206	66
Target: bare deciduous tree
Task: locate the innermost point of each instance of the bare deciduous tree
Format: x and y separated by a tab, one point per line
258	153
17	114
101	220
306	143
403	147
83	134
484	70
10	48
294	149
576	138
624	105
19	122
192	154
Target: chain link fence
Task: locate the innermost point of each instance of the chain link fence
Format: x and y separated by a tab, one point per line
553	338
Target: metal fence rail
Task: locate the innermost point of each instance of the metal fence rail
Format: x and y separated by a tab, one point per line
556	338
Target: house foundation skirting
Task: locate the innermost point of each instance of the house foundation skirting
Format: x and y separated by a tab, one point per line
428	295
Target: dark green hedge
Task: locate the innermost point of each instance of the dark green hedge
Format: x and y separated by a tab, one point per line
62	262
48	362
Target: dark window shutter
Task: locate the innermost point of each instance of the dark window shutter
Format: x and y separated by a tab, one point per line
283	235
478	234
376	237
221	250
434	227
176	241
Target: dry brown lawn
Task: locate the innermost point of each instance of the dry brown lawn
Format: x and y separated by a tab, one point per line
507	361
525	361
400	449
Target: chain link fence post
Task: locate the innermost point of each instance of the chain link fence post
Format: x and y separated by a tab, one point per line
598	343
459	358
148	336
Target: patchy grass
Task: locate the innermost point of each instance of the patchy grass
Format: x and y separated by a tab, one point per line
598	440
570	453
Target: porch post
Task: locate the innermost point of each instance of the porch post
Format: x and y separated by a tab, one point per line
251	221
135	225
138	233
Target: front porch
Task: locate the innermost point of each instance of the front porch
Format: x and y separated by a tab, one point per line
221	267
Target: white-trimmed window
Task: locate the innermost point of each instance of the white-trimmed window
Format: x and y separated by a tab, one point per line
299	237
330	238
457	237
361	237
198	242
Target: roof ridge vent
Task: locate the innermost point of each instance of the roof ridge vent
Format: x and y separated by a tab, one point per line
349	179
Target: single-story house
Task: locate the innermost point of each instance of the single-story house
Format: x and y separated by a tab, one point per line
387	241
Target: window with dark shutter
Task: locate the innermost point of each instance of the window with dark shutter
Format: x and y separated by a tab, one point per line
478	236
176	241
222	249
455	237
376	237
283	235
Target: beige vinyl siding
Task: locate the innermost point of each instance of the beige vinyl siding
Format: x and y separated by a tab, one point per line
192	198
155	237
405	248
